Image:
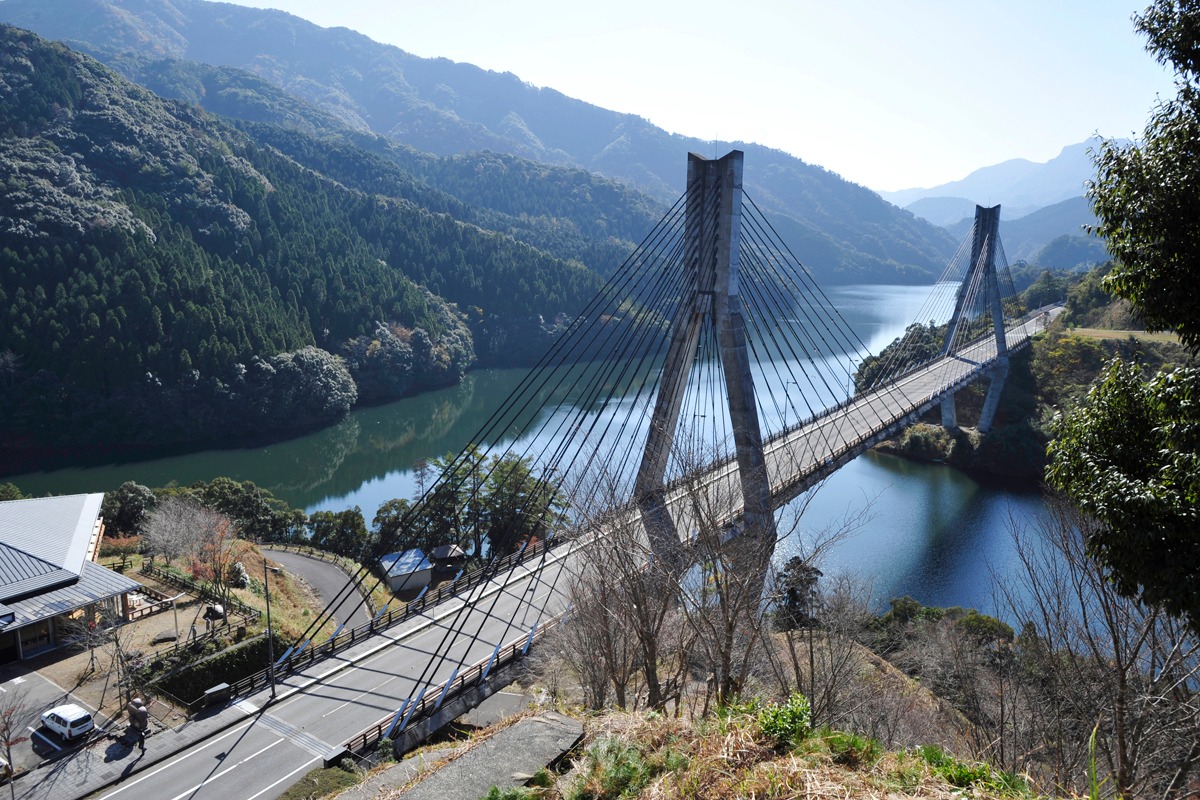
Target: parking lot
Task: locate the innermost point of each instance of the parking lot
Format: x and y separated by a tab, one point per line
24	695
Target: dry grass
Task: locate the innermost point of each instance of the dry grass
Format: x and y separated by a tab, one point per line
719	758
1141	336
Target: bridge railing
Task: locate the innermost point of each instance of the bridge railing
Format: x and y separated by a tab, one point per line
435	696
308	652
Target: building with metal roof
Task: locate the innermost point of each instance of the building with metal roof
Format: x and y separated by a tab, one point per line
48	574
409	569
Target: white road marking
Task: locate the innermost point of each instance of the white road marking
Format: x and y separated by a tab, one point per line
196	750
43	737
305	765
225	772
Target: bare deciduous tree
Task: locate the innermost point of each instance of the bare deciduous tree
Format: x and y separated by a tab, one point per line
1093	659
173	529
14	717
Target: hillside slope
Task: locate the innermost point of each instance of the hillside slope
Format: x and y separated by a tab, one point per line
843	232
166	277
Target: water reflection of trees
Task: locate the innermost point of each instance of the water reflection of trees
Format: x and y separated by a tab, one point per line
372	442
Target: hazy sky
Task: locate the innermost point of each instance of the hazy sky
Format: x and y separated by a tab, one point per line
888	94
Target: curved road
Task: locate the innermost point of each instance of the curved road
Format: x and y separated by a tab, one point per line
327	580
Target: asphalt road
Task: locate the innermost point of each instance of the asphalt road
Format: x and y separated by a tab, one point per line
327	580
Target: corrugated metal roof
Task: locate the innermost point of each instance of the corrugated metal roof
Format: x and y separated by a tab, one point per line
95	584
404	563
44	541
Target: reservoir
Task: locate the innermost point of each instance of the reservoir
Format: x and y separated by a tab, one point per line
927	531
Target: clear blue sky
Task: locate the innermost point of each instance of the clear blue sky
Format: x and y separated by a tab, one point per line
891	95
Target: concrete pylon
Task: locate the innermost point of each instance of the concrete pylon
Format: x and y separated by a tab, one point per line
711	296
981	274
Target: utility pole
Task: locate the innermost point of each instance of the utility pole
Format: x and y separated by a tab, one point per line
270	635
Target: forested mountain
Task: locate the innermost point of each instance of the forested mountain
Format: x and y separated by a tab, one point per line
841	231
166	276
1054	237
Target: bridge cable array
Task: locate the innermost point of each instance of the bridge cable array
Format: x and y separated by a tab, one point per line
578	418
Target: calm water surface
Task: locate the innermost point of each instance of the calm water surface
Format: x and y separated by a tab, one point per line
932	533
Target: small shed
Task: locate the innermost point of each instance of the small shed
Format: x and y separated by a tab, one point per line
409	569
448	557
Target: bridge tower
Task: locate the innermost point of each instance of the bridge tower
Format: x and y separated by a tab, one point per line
981	272
711	296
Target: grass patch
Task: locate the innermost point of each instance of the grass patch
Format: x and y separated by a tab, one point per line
971	776
323	782
1141	336
852	750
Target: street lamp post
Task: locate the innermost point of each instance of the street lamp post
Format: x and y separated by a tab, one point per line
270	637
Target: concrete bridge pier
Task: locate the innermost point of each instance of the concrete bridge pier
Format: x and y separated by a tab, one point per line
996	376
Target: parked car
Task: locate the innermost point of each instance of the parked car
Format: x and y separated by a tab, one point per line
68	721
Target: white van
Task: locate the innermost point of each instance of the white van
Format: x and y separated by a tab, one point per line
68	721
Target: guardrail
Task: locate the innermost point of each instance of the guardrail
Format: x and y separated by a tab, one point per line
435	696
295	659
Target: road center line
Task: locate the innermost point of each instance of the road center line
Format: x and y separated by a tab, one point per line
226	771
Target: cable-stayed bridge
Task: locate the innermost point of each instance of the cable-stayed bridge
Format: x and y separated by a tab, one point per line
711	357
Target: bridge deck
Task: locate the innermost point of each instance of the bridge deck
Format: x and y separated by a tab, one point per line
800	457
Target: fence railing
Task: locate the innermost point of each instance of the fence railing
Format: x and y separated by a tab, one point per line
160	603
308	652
435	696
201	589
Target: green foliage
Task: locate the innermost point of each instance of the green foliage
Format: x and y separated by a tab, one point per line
797	595
225	666
166	277
918	344
342	532
1129	456
983	628
1049	287
497	503
9	491
966	776
125	508
852	750
788	723
926	442
1145	193
613	769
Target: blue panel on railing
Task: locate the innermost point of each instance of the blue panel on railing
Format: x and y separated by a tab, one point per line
491	661
446	688
382	611
339	630
412	708
396	718
285	655
529	641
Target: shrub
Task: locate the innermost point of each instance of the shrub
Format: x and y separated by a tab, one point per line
966	776
852	750
613	769
788	724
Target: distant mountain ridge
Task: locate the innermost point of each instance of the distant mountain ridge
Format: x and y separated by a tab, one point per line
841	231
1043	208
1020	186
